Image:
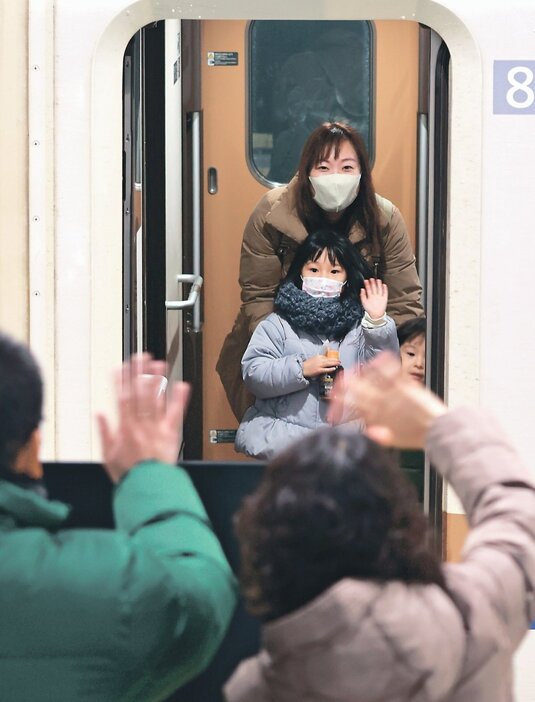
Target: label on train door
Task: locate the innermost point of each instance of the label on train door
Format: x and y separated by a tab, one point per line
514	88
222	58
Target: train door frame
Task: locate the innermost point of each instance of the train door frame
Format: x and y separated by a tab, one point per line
99	321
156	318
431	239
154	125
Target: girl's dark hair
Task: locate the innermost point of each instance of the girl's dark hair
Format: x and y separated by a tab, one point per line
340	249
363	210
332	506
410	329
21	400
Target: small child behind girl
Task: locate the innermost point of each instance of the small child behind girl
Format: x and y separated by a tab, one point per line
323	302
411	337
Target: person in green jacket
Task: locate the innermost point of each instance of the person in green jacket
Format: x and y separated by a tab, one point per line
124	614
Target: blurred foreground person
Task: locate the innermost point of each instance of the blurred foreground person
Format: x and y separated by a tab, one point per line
355	605
105	615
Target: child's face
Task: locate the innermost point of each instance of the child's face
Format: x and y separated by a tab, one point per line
413	358
323	268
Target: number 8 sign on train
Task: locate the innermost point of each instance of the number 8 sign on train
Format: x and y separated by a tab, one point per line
514	87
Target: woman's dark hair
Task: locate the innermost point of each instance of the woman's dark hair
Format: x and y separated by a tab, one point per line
21	400
340	249
332	506
363	210
410	329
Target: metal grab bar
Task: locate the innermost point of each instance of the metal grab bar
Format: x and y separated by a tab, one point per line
196	176
193	293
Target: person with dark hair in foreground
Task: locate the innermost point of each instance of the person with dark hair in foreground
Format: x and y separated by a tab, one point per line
336	563
105	615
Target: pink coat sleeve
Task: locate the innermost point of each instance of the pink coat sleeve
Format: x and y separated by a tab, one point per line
496	578
247	682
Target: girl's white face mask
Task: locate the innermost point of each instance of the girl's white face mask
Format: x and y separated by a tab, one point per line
322	287
336	191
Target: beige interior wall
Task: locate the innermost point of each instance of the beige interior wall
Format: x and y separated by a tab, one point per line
14	168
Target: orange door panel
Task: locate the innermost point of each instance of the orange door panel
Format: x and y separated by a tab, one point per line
226	212
396	107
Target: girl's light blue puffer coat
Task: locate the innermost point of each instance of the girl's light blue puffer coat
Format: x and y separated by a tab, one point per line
288	405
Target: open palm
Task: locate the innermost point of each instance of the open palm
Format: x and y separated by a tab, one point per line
374	296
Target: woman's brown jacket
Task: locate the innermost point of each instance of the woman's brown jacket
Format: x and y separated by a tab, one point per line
271	236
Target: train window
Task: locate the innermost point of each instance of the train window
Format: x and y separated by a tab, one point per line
303	73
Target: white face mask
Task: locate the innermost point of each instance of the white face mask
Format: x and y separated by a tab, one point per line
322	287
336	191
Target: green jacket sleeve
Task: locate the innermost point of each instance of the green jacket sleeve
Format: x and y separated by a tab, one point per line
148	603
159	510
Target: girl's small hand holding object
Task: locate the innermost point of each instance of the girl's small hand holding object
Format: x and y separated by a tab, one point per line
318	365
374	296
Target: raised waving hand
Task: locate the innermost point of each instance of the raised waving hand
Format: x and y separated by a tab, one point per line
374	296
396	410
149	424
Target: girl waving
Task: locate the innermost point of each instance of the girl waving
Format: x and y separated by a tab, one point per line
326	301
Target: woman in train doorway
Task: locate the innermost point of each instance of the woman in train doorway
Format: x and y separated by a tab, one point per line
333	189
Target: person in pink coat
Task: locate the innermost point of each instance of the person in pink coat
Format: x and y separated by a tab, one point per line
355	605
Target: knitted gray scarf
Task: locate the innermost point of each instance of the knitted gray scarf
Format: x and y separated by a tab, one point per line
323	316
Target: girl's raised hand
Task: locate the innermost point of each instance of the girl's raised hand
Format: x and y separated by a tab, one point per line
374	296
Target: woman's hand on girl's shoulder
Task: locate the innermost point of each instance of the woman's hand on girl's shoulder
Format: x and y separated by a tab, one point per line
374	297
318	365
